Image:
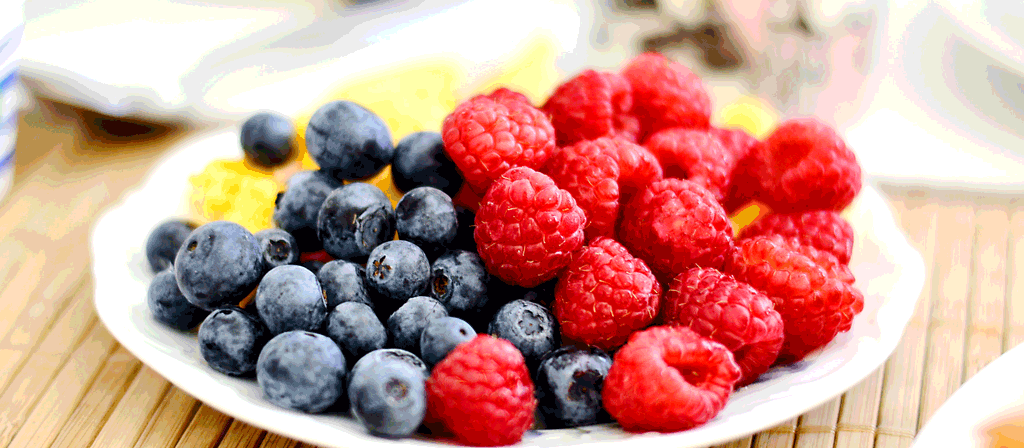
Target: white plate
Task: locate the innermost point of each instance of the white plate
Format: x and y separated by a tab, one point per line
889	272
991	398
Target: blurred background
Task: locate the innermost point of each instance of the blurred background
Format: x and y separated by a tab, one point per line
925	91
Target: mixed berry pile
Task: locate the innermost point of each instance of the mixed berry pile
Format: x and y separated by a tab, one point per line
552	266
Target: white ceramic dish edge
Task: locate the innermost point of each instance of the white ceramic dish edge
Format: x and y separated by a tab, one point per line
121	280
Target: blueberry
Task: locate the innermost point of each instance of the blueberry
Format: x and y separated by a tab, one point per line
314	266
464	233
169	306
426	217
344	281
442	335
289	298
420	161
301	370
398	270
391	400
528	326
405	326
267	138
297	207
371	360
277	247
164	241
354	219
218	265
354	327
348	141
459	280
569	382
230	341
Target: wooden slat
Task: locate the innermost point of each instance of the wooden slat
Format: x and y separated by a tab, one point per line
901	383
781	436
278	441
859	415
48	341
817	428
128	419
59	400
985	306
745	442
169	421
954	243
82	426
1014	313
205	430
242	435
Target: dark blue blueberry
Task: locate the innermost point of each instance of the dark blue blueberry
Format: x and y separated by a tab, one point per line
348	141
297	207
398	270
459	280
442	335
356	329
420	161
164	241
267	138
354	219
277	247
231	339
290	298
371	360
426	217
569	382
344	281
218	265
391	400
314	266
169	306
528	326
464	233
301	370
406	324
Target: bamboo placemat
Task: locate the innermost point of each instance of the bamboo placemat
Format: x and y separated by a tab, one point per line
65	382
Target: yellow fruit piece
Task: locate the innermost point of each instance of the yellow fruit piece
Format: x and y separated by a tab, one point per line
230	190
747	215
749	113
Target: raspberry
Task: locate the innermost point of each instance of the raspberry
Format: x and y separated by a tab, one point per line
696	155
666	94
482	393
590	171
605	295
668	379
733	313
824	230
815	302
805	165
527	228
509	97
637	169
487	135
590	106
676	224
742	186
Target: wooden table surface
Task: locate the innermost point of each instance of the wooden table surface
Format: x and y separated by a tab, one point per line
65	382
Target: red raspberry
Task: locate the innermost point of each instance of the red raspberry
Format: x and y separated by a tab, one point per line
666	94
814	301
482	393
487	135
805	165
717	306
590	170
638	168
590	106
676	224
509	97
527	228
696	155
824	230
467	198
668	379
605	295
742	186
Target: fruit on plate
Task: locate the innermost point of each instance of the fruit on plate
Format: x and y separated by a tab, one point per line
590	239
